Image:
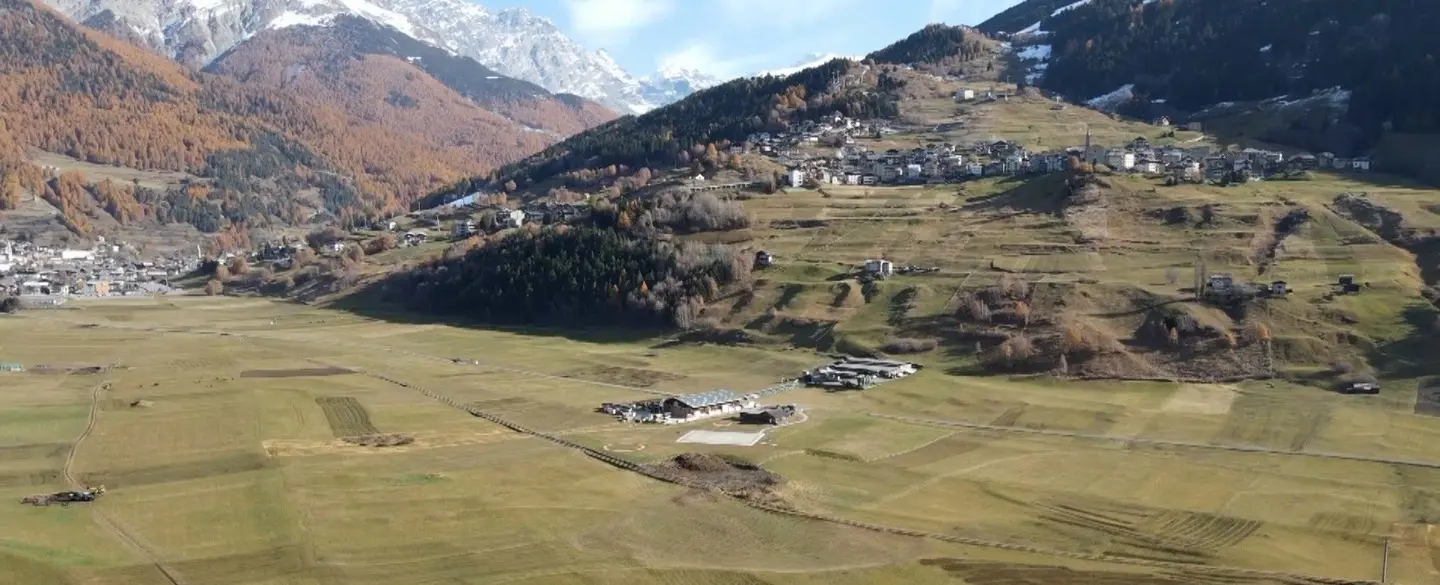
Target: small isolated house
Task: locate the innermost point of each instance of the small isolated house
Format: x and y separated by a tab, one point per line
705	404
763	259
879	268
462	229
774	415
964	95
11	367
1360	387
513	218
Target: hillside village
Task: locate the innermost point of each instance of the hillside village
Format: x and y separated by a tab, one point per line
944	162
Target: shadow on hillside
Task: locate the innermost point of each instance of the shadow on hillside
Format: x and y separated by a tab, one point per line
1413	356
1040	195
367	303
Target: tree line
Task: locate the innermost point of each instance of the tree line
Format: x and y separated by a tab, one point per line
573	276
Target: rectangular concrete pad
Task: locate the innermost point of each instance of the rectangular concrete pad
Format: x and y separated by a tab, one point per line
721	438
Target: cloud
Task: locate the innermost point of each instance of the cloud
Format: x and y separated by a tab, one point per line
614	20
784	14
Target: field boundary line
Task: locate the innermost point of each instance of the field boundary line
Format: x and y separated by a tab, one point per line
913	449
1155	442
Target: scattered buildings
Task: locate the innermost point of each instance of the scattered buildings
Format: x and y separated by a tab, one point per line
681	409
857	373
945	162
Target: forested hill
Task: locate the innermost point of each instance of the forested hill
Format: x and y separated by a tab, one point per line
933	44
1021	16
1195	53
292	151
688	131
725	113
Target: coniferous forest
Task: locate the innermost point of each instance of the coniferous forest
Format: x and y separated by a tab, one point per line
728	112
572	276
1196	53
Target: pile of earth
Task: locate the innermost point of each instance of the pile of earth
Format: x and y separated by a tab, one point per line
390	440
712	472
71	370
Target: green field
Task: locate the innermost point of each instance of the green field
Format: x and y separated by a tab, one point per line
223	477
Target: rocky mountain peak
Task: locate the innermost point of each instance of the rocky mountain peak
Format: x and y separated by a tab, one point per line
514	42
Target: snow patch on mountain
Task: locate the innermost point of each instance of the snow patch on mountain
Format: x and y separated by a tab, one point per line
1037	57
1110	101
1068	7
513	42
670	84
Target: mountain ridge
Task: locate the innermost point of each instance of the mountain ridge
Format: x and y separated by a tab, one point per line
273	138
514	42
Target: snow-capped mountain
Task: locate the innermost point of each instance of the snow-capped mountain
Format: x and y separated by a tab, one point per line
811	60
671	84
514	42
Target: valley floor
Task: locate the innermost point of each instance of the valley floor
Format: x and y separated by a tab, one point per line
215	433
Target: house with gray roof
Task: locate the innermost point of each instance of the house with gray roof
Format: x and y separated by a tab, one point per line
705	404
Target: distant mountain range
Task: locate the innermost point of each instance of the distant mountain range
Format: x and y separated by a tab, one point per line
513	42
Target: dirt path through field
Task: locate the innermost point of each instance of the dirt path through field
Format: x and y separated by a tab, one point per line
111	526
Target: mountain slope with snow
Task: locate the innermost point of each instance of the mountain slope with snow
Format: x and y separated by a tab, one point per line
513	42
672	84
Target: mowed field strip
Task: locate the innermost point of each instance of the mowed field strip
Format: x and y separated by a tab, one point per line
439	509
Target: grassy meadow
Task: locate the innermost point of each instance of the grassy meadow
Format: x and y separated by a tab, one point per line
212	436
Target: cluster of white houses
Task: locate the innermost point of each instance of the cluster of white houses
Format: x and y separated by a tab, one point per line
945	162
681	409
30	270
854	373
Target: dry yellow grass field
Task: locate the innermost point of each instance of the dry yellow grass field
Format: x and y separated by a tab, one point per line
221	474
